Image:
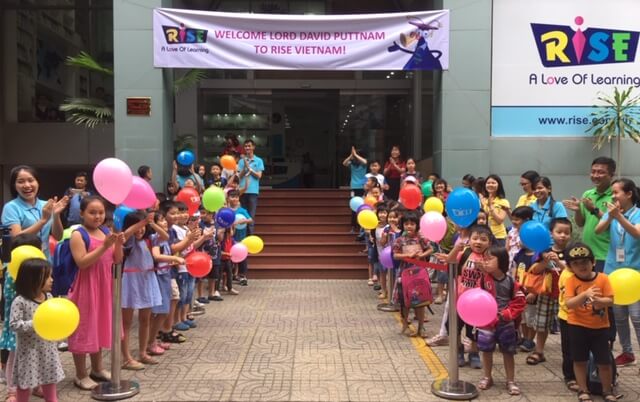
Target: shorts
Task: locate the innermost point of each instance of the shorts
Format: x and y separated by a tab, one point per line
442	277
529	315
175	290
372	253
583	340
186	285
164	281
378	268
546	310
215	271
504	335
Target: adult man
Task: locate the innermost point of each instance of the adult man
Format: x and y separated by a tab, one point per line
593	204
250	167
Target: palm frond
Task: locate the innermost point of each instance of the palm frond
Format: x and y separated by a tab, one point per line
84	60
88	112
185	141
188	80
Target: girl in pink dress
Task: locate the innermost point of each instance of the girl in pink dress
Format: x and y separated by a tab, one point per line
91	292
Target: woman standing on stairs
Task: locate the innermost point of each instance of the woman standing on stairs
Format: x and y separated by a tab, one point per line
393	170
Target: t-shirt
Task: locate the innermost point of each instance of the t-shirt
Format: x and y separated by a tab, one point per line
470	273
379	230
525	199
358	171
220	182
257	165
176	235
563	311
162	268
73	209
585	315
599	243
523	260
498	229
416	174
241	233
211	246
393	173
406	244
17	211
544	214
513	245
378	177
621	239
504	291
194	177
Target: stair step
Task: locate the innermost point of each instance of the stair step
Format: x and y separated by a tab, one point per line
331	267
314	201
302	208
307	273
335	218
313	247
341	237
306	193
289	259
280	227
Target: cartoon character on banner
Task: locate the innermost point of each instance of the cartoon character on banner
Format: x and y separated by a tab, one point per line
422	57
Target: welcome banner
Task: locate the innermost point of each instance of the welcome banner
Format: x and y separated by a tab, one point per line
398	41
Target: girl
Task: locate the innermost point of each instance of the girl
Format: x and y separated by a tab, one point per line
91	291
545	208
411	171
392	171
37	361
511	303
527	181
140	289
234	184
497	207
382	212
391	232
410	245
440	187
482	219
623	222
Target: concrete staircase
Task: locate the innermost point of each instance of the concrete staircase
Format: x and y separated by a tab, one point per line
306	236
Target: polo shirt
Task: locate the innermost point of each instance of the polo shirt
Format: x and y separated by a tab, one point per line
358	170
498	229
25	215
525	199
257	165
544	215
182	179
599	243
621	239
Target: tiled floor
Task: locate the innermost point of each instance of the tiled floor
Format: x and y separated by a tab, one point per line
318	341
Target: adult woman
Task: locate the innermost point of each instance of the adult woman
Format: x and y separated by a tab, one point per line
527	181
545	208
393	170
496	206
623	223
467	181
357	163
232	146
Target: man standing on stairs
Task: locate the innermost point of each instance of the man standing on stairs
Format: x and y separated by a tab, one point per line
250	167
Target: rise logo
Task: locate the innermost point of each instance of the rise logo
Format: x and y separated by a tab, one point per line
182	34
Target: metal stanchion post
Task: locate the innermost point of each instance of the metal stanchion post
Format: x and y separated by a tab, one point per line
452	387
116	389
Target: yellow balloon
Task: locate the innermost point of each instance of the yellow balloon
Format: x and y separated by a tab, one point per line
56	319
19	254
254	244
433	204
625	283
367	219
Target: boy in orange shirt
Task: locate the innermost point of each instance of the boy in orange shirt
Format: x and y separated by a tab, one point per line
588	295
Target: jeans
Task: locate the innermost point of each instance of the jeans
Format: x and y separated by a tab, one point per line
622	315
250	203
565	345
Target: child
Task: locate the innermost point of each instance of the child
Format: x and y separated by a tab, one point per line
483	218
519	216
552	264
211	247
91	292
37	362
216	178
234	184
511	303
411	171
381	212
391	232
226	265
523	261
411	245
76	194
565	344
140	289
588	296
440	189
240	232
374	171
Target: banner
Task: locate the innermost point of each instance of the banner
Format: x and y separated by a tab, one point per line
551	59
399	41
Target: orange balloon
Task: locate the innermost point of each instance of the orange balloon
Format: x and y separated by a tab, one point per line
228	162
371	201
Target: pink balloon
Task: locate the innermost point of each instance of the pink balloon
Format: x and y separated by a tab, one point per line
239	252
113	180
141	195
477	307
433	226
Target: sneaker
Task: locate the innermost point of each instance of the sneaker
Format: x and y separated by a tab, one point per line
625	359
63	346
203	300
461	361
439	300
377	286
236	279
234	292
474	360
370	282
244	282
196	303
527	345
197	311
190	323
216	297
438	340
181	326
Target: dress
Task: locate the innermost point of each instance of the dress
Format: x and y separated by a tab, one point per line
8	338
140	287
37	361
91	291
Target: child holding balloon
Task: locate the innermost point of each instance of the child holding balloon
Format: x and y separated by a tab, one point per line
382	212
37	361
242	219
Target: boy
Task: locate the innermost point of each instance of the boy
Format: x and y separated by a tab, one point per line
216	178
519	216
76	194
212	247
240	229
588	296
374	171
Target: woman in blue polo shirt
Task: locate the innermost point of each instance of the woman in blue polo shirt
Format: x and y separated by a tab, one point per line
545	208
26	213
623	223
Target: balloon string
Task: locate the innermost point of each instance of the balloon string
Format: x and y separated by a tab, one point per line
427	264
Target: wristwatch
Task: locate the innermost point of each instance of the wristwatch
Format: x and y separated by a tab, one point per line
595	212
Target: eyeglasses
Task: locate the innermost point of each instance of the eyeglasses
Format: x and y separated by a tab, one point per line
524	184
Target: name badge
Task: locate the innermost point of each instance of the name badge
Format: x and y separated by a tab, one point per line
619	255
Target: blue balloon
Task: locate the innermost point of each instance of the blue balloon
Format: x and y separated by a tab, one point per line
535	236
355	203
225	217
363	207
463	206
119	214
185	158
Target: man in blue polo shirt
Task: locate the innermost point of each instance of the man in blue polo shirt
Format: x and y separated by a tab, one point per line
250	167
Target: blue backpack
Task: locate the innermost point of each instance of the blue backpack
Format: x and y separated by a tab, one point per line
64	266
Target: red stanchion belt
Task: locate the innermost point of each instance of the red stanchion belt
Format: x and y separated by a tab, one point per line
427	264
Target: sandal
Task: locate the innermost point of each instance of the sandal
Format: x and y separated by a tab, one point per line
609	397
147	360
133	364
37	392
584	396
100	376
485	383
535	358
11	397
572	385
512	388
85	384
173	337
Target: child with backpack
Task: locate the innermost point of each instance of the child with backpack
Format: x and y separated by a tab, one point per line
510	298
91	292
588	296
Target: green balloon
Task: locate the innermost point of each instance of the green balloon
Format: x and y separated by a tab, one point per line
213	199
427	188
